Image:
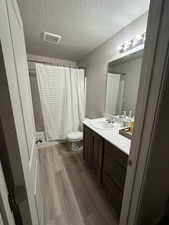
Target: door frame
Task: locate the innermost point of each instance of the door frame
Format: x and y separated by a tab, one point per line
151	91
9	154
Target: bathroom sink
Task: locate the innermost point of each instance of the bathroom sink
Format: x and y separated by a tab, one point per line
104	125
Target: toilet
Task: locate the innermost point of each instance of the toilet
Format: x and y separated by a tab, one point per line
76	139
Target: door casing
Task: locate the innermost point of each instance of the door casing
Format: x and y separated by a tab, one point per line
151	91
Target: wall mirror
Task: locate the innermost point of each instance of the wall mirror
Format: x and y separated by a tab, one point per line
123	76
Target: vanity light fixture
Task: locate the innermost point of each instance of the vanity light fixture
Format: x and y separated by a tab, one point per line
136	41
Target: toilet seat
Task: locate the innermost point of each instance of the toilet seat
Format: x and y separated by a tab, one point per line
75	136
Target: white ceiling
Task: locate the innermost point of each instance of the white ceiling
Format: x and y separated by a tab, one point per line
83	24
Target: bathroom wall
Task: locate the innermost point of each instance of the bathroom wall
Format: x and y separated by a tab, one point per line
97	61
34	86
132	70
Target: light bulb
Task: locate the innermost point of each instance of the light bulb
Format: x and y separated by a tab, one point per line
127	45
137	39
120	48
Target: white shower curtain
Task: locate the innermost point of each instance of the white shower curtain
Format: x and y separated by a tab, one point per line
62	94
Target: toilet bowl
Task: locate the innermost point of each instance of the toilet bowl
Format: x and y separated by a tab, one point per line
75	138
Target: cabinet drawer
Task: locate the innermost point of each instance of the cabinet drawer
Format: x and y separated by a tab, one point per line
116	172
113	153
114	194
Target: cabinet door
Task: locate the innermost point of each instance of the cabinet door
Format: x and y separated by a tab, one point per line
115	164
88	146
114	174
113	193
97	155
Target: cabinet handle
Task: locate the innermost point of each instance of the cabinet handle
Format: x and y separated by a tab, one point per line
130	162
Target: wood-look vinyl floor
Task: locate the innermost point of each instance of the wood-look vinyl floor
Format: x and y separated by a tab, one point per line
71	194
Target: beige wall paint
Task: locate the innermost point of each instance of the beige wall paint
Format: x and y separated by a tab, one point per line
97	61
34	86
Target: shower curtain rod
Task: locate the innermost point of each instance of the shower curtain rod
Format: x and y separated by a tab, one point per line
55	64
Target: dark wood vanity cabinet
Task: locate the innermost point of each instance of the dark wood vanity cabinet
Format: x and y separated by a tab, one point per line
93	151
108	163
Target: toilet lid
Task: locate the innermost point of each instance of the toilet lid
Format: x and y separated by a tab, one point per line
75	135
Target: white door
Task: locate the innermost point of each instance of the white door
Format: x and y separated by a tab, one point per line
14	53
6	216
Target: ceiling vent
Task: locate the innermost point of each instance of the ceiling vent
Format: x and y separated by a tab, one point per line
51	38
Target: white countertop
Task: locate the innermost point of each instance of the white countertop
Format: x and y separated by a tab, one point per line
111	136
